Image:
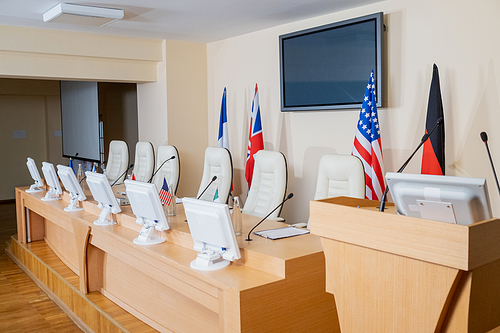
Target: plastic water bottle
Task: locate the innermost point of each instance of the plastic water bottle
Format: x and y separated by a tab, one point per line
237	225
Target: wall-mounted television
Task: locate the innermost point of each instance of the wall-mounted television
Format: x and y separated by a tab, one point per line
328	67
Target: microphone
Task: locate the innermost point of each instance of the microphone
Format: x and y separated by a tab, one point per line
120	176
484	137
154	173
281	204
206	188
80	183
425	137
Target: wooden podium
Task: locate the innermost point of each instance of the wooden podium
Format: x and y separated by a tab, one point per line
391	273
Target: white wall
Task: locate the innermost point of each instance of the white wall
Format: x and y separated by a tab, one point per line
152	105
459	36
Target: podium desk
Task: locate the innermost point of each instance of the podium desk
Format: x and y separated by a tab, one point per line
275	286
392	273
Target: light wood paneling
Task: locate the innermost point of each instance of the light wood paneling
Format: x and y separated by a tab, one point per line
452	245
92	312
260	292
393	273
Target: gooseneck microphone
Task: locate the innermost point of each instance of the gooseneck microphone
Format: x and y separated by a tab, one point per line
484	137
124	173
154	173
425	137
281	204
206	188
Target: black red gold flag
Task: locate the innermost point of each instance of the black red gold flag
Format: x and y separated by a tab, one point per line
433	155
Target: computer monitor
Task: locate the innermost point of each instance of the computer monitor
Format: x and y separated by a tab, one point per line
35	175
50	175
212	232
146	205
101	191
71	184
441	198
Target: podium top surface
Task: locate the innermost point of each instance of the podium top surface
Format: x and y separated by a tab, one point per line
358	222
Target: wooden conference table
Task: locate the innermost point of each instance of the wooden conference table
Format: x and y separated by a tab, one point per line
276	285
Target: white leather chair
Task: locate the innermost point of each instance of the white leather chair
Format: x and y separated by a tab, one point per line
144	162
340	175
117	161
269	183
218	162
170	170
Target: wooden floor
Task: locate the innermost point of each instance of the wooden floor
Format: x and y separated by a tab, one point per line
23	306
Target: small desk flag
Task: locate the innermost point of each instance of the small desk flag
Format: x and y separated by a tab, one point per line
368	145
165	195
216	195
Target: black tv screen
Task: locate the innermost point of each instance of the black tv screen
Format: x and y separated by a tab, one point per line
328	67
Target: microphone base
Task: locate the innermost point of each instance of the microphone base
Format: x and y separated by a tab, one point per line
249	239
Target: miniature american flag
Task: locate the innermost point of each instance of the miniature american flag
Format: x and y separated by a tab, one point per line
165	195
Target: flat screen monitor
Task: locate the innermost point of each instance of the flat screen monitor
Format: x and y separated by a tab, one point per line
50	175
146	205
328	67
71	185
441	198
212	232
101	191
36	187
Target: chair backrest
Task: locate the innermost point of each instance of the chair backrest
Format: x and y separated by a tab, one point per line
170	170
117	161
144	162
340	175
269	183
218	162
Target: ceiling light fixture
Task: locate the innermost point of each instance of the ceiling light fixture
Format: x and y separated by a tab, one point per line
79	14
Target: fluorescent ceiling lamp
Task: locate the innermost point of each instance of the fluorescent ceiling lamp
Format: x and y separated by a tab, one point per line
78	14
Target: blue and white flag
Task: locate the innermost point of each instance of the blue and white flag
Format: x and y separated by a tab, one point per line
223	139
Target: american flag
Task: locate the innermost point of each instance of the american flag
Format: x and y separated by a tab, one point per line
255	139
368	145
165	195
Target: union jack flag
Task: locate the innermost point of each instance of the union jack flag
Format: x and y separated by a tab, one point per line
165	195
255	139
368	145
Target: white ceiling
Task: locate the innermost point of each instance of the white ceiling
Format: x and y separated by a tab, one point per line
189	20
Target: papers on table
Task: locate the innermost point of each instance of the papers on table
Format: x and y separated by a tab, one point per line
282	232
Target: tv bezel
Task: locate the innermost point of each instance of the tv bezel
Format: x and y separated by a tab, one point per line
378	70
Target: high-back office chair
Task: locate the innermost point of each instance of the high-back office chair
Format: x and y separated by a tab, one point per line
218	162
144	162
117	161
269	183
170	170
340	175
